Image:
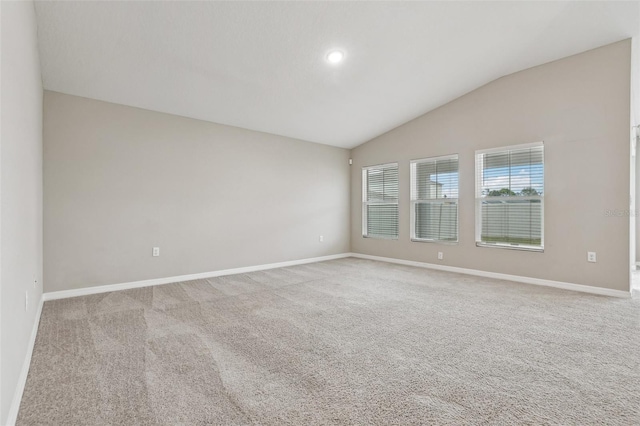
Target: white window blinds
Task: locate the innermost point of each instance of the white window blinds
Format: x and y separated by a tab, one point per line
510	197
380	201
434	199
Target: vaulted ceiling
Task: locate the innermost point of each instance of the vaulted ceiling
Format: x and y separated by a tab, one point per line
262	65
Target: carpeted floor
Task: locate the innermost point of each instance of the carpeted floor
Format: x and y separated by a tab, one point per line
348	341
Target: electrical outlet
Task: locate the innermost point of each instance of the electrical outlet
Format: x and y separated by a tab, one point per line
591	256
156	251
440	255
321	238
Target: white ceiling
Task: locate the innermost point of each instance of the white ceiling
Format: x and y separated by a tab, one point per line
261	65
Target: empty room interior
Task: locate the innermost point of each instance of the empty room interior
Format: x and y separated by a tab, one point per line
292	213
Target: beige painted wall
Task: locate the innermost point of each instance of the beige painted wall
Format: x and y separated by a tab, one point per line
579	107
120	180
20	192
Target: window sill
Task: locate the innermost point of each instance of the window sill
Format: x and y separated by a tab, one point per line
511	247
443	242
376	237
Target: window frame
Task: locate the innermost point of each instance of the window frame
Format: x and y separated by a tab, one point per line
479	199
366	202
414	201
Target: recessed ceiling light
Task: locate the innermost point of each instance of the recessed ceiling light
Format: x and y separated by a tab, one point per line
335	56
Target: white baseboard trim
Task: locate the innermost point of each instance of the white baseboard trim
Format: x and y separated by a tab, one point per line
520	279
24	372
168	280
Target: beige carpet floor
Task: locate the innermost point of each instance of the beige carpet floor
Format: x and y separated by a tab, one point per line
348	341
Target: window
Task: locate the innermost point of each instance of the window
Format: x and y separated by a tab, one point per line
380	201
434	199
510	197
